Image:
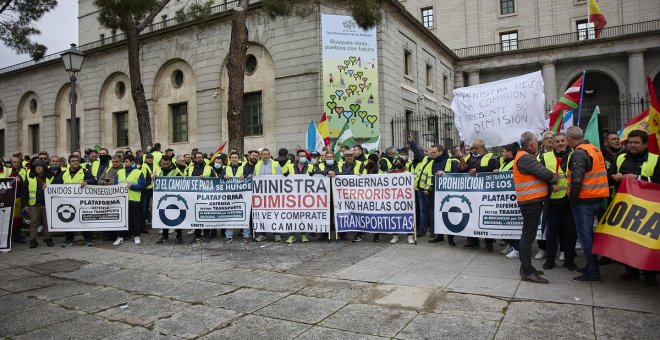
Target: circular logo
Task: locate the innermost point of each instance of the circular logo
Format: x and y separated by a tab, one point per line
66	213
455	211
172	210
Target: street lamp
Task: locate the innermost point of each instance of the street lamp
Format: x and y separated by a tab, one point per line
73	60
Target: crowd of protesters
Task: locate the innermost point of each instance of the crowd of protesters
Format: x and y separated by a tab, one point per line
562	183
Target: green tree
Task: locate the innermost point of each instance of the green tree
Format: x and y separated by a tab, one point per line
17	18
366	13
132	17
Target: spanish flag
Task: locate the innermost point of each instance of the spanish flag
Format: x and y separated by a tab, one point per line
218	151
596	17
629	231
648	121
323	130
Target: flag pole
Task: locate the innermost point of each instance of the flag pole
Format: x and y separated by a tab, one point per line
584	78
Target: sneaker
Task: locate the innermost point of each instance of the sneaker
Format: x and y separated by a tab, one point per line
540	255
49	242
260	238
33	243
471	245
507	250
451	243
137	240
561	256
194	240
160	231
89	244
67	244
40	228
357	239
207	239
513	254
278	238
162	240
246	240
411	240
291	239
578	246
570	266
190	232
228	240
437	239
395	239
118	241
304	238
377	238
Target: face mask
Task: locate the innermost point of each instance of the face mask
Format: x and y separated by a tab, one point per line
315	161
217	166
405	158
330	161
303	160
475	154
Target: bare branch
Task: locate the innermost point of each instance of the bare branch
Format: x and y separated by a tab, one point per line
152	15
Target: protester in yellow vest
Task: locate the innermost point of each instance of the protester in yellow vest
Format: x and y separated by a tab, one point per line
34	201
561	225
168	169
508	154
200	169
132	178
76	175
587	186
480	160
149	168
438	163
235	170
639	163
531	180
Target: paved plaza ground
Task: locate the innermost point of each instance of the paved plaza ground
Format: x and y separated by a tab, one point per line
316	290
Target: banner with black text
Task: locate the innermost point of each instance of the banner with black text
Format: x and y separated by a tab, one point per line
374	203
7	200
201	203
291	204
72	207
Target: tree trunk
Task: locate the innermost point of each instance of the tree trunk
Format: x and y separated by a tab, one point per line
236	72
135	74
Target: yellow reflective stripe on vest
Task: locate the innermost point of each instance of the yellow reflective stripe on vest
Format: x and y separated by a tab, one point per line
647	167
79	177
550	161
32	189
230	172
485	159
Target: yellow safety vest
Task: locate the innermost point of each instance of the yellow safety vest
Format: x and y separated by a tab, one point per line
356	168
230	172
507	166
147	171
428	172
419	169
647	167
389	166
78	178
133	178
32	189
550	161
5	172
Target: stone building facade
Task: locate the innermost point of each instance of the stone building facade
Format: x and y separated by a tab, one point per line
185	80
497	39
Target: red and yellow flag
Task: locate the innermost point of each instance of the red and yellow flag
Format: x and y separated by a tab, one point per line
629	231
648	121
596	17
323	130
218	151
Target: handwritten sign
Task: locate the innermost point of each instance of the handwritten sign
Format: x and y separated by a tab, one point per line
499	112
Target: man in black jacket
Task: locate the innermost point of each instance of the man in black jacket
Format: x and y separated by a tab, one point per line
481	161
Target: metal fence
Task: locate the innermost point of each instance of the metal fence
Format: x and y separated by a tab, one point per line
426	129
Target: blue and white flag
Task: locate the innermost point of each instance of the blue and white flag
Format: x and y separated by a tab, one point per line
314	138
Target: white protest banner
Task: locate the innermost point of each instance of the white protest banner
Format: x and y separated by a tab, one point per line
7	200
201	203
374	203
292	204
499	112
483	205
71	207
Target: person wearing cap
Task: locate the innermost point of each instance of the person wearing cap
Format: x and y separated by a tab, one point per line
34	201
148	169
76	175
314	161
350	166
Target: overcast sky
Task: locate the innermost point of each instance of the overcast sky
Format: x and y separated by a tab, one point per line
59	28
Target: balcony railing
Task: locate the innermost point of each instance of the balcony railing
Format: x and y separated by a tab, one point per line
230	4
560	39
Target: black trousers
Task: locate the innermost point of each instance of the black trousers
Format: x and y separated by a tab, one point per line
166	233
560	227
134	226
87	235
531	214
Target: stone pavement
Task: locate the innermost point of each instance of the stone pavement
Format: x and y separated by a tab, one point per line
317	290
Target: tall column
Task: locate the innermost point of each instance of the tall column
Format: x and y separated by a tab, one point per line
458	79
636	86
549	82
473	77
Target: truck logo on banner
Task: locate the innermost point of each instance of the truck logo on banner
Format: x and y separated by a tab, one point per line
66	213
455	212
172	210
